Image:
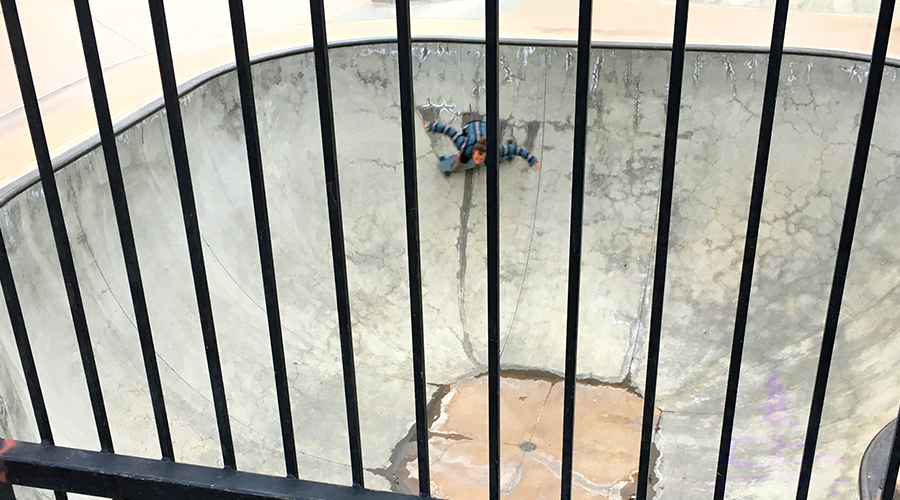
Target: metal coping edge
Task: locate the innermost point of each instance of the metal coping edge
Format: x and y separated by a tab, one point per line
17	186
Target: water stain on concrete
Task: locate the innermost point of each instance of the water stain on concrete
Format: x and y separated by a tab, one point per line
606	444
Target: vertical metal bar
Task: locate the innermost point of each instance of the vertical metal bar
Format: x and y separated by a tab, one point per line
492	86
14	309
123	221
848	227
767	119
890	476
6	489
57	220
575	234
673	109
23	345
329	151
408	124
263	236
191	226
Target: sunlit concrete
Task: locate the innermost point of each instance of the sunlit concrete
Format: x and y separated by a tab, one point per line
201	40
531	448
815	132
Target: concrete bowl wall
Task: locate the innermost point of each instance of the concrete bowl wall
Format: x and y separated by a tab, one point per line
820	98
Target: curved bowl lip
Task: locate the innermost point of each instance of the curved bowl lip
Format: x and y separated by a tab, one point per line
17	186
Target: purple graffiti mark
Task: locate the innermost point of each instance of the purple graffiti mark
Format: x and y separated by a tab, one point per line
785	440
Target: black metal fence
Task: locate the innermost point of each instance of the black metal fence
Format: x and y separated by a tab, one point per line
107	474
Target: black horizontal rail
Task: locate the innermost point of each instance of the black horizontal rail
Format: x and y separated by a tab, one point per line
109	475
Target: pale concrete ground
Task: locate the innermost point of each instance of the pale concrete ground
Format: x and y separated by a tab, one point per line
815	131
201	40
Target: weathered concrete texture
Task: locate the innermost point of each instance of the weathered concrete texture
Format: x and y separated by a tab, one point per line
605	463
815	131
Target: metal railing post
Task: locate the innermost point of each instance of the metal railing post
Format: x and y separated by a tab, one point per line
848	227
332	186
404	55
673	109
576	229
263	236
123	222
773	74
192	227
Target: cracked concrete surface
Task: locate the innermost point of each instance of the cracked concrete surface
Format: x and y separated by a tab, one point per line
605	453
816	121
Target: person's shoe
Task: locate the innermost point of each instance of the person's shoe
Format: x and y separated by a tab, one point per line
443	158
446	174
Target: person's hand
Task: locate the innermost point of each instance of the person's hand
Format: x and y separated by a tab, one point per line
536	165
425	126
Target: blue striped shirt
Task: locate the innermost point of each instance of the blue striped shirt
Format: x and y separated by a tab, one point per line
466	139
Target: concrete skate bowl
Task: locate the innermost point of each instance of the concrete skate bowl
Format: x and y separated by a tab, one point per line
816	121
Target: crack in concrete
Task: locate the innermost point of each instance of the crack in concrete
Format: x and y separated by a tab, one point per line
405	451
638	328
453	436
400	473
461	242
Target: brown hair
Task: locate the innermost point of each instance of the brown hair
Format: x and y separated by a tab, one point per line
481	145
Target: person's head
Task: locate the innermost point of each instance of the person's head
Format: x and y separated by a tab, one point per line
479	154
